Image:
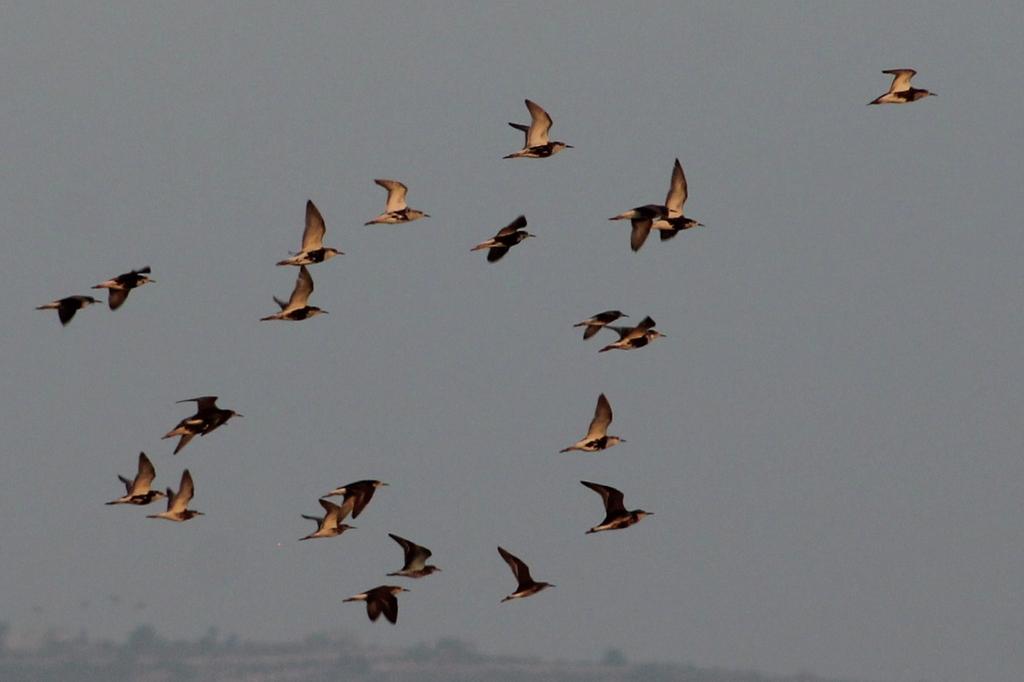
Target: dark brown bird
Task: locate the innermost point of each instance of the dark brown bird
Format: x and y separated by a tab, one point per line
207	418
381	599
415	559
360	492
118	287
138	491
631	338
594	324
67	307
615	514
527	585
507	237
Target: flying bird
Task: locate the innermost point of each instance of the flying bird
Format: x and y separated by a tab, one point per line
900	90
297	308
67	307
138	491
330	524
615	514
396	210
359	493
536	145
507	237
177	502
207	418
527	585
597	437
674	222
381	599
634	337
313	249
415	559
119	286
594	324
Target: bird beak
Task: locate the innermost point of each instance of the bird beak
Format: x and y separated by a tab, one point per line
569	146
239	415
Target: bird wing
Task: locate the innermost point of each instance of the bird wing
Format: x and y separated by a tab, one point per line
389	604
526	131
396	194
901	79
185	492
373	607
602	418
540	124
116	297
613	500
415	555
676	192
358	495
313	235
513	227
641	228
66	308
303	288
203	404
496	254
646	323
143	479
334	514
520	570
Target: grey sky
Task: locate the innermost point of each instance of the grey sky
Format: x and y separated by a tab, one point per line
829	437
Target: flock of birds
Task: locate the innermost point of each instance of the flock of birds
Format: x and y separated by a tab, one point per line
667	219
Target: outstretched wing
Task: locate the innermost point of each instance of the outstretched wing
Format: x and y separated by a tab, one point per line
396	194
303	288
144	478
513	227
602	418
676	192
313	235
612	498
520	570
901	79
540	124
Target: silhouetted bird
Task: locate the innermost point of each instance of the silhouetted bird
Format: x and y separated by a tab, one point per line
207	418
634	337
415	559
597	437
67	307
119	286
507	237
138	491
177	502
313	249
359	492
330	524
381	599
527	585
536	145
594	324
615	514
297	308
900	90
396	210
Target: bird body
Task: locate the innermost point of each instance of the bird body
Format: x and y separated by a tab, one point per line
616	516
138	491
68	306
537	145
415	559
313	249
381	599
297	308
177	502
118	287
597	322
396	210
505	239
597	437
527	586
207	418
900	90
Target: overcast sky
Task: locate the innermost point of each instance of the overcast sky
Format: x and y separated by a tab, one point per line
829	436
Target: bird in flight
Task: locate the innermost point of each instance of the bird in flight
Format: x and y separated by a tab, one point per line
396	210
674	222
536	145
177	502
634	337
527	585
359	493
330	524
68	306
597	437
594	324
615	514
138	491
900	90
313	249
381	599
507	237
118	287
297	308
415	559
207	418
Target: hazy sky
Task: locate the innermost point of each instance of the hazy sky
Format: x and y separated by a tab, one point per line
830	436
